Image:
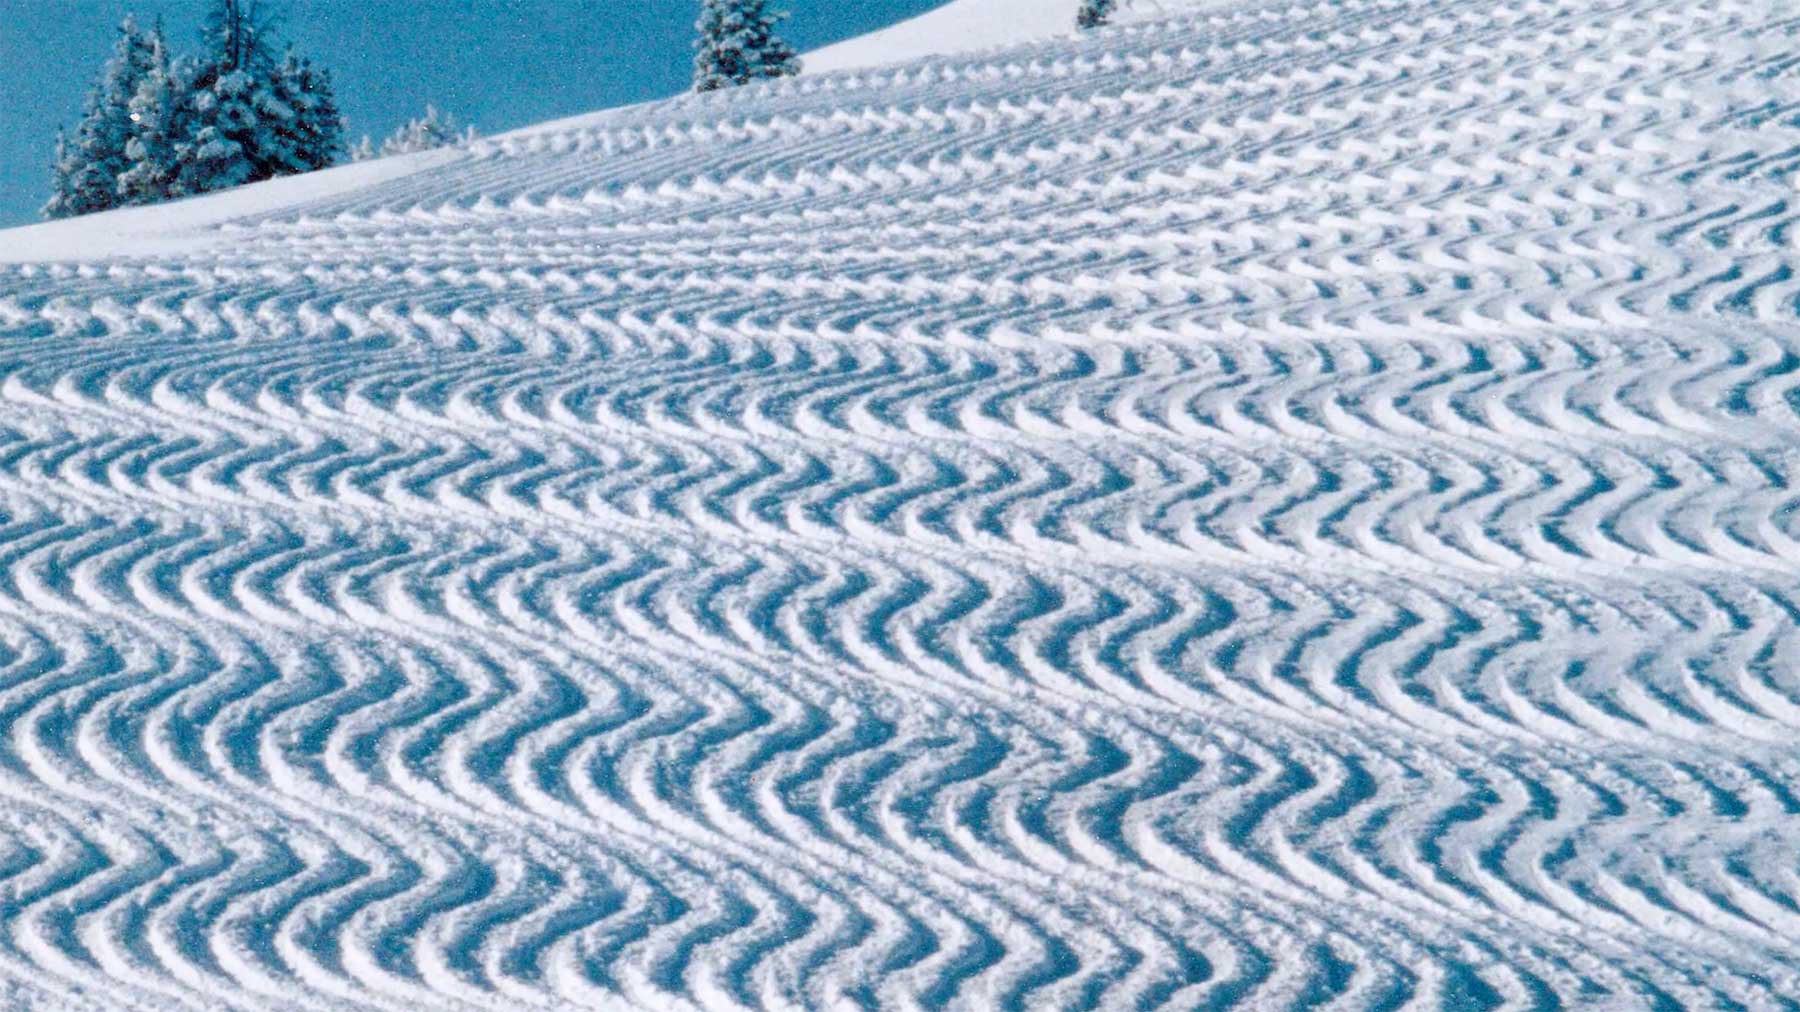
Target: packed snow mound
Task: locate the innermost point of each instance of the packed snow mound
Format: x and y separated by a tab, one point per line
1278	505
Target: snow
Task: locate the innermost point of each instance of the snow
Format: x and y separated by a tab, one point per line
1267	505
970	26
960	26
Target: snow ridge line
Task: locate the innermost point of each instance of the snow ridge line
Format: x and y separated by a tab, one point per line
1276	508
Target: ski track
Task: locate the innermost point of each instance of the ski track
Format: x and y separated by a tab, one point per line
1282	506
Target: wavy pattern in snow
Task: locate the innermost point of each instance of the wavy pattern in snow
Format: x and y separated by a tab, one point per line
1283	507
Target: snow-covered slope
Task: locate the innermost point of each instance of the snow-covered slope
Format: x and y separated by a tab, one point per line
959	26
1281	505
969	26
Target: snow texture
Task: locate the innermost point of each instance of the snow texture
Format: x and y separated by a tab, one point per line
1277	505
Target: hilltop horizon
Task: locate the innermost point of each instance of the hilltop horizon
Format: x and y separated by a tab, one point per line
498	64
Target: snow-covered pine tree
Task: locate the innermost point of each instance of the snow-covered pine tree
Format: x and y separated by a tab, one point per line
435	129
157	128
218	149
156	116
65	180
362	150
89	163
233	36
275	146
1094	13
737	44
229	105
316	132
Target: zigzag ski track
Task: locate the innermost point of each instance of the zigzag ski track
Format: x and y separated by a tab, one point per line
1274	506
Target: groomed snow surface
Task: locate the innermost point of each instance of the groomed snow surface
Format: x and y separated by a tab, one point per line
1277	505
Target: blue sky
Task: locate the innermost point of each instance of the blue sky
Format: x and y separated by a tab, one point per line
496	63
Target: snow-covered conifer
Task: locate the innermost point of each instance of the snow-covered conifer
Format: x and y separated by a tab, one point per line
157	127
737	44
275	146
248	117
435	129
66	180
362	150
232	36
1094	13
90	162
316	132
218	150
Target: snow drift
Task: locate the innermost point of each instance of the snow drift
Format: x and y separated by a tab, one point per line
1276	505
